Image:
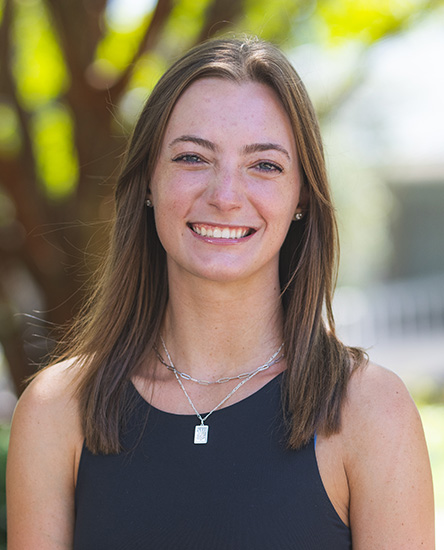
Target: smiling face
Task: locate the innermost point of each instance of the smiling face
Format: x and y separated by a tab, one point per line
226	184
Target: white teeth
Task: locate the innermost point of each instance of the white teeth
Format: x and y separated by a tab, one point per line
220	233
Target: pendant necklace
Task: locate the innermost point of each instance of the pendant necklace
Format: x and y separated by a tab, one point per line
201	430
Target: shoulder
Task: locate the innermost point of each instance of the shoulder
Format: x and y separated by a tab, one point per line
46	418
44	451
379	416
386	463
377	393
51	395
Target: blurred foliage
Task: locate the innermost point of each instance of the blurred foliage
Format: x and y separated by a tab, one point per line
185	25
277	21
54	150
119	46
366	20
37	62
9	131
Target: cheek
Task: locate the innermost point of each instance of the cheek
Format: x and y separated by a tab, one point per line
177	187
167	193
278	207
277	196
172	203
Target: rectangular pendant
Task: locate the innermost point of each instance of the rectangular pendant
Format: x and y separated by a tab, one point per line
201	434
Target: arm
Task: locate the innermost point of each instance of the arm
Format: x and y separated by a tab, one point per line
387	465
43	454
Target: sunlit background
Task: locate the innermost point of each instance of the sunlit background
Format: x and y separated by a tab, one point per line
73	79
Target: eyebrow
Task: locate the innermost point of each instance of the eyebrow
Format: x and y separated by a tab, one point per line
197	140
247	149
258	147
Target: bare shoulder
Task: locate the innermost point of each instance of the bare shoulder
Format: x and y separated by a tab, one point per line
50	397
46	420
387	465
380	418
44	451
378	399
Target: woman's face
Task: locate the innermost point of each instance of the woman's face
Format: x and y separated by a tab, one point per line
226	185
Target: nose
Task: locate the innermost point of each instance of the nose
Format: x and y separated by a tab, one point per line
225	190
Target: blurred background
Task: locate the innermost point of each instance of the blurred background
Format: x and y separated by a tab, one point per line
73	77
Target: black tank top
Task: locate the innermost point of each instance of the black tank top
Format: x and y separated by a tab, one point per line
243	490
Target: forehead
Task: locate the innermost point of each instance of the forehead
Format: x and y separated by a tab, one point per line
217	105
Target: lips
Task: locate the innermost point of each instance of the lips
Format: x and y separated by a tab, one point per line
221	232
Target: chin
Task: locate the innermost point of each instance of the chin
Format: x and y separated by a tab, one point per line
231	274
222	276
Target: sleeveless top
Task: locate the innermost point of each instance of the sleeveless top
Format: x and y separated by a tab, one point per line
242	490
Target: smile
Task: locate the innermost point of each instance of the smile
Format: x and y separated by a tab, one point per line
217	232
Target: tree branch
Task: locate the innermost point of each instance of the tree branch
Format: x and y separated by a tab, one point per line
79	31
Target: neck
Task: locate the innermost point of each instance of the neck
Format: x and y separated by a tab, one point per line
213	330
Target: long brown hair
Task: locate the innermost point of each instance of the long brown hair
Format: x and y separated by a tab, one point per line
121	322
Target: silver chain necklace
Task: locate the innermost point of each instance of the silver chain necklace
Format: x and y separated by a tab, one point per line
275	358
201	430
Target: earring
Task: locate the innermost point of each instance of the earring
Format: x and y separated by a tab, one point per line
298	216
149	203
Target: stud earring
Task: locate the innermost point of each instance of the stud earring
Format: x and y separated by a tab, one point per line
149	203
298	216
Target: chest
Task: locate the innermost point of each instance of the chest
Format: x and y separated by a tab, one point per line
243	489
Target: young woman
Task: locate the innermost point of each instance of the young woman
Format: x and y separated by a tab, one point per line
206	402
